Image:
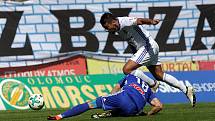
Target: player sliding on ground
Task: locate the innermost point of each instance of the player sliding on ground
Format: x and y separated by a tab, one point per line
128	98
145	50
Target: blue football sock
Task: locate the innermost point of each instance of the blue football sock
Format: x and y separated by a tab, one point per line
82	108
76	110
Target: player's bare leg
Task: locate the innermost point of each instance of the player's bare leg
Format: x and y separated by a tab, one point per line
158	73
131	67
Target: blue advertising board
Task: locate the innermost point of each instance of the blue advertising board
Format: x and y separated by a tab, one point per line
202	81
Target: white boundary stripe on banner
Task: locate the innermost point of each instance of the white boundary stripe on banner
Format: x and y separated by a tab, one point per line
2	107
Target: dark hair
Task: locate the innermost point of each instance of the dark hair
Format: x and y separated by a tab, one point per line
106	17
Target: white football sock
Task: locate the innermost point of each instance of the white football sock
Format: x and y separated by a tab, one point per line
144	77
172	81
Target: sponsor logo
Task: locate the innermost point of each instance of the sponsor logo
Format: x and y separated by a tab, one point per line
204	87
15	93
166	88
139	89
110	67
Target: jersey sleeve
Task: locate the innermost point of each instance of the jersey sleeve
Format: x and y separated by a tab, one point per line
127	21
122	82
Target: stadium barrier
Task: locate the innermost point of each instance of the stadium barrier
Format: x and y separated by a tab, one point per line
67	91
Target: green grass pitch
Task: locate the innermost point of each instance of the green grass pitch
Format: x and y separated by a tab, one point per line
171	112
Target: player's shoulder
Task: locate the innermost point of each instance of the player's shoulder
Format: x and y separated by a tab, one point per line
122	17
127	18
131	77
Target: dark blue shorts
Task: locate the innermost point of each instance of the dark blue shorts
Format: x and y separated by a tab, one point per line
120	102
127	102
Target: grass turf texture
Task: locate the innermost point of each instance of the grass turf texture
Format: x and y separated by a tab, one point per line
171	112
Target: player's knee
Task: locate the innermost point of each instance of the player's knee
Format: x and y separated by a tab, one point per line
159	76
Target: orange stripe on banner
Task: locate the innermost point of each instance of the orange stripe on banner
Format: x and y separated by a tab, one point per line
16	95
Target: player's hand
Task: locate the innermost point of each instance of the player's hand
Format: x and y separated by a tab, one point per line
155	21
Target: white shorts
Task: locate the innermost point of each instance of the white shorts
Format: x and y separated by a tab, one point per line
147	58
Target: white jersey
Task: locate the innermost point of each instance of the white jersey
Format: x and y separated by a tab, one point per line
144	47
135	34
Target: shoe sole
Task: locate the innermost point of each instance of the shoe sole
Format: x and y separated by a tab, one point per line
194	100
193	103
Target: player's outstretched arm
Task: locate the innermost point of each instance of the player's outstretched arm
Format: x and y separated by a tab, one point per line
156	106
141	21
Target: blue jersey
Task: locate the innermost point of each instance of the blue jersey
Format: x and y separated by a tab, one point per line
137	89
132	97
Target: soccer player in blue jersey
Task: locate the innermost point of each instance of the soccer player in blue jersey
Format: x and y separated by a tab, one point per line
128	98
145	50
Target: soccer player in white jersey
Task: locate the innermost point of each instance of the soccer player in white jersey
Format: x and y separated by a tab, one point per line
145	51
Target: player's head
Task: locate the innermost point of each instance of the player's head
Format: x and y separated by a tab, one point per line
109	22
